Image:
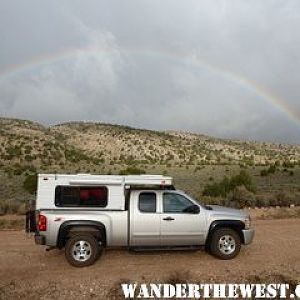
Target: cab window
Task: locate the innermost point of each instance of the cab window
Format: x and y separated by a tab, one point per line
147	202
175	203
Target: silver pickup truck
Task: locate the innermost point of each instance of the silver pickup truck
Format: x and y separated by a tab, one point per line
85	213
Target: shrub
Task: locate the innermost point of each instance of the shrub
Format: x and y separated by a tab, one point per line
271	170
288	164
132	171
264	172
242	179
29	158
10	207
14	150
262	201
227	185
30	183
217	189
284	199
213	201
242	197
12	224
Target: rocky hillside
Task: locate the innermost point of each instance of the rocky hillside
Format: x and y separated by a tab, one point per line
193	160
26	144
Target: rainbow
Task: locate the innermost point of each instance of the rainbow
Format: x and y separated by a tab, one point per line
260	91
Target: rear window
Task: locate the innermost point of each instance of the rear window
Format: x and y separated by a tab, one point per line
147	202
72	196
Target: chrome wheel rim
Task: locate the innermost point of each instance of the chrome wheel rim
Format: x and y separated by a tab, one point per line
81	251
227	244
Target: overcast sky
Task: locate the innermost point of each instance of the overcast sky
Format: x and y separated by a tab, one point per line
189	65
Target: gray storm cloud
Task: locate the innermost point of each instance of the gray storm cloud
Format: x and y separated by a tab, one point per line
154	64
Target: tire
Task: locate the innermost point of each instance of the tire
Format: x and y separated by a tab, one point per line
225	243
82	250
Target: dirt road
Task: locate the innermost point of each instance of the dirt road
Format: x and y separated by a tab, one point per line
27	271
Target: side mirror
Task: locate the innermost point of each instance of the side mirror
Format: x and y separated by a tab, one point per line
196	209
193	209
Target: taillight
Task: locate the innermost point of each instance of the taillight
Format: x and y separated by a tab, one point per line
42	225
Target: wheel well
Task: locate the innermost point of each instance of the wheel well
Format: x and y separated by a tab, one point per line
237	226
66	230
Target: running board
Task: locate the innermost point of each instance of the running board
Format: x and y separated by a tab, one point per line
165	248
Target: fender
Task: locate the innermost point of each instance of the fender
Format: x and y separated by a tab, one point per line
237	225
66	227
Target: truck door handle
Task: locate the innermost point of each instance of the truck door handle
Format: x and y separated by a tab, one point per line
168	219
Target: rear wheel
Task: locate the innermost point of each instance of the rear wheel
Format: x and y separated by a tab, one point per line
225	243
82	250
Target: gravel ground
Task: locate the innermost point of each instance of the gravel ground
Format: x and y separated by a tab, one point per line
29	272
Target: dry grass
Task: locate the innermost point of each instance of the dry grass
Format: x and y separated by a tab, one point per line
275	213
12	222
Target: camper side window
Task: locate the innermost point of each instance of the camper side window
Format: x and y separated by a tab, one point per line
71	196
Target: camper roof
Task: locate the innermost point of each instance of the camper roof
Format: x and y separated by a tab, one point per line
88	179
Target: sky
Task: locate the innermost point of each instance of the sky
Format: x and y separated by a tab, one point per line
227	68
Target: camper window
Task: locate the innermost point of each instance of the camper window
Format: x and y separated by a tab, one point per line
81	196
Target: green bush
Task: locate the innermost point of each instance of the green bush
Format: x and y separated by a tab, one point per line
14	150
264	173
214	201
227	185
288	164
271	170
30	183
29	158
242	197
132	171
242	179
263	201
217	189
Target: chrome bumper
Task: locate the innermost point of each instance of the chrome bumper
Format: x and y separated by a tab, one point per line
248	235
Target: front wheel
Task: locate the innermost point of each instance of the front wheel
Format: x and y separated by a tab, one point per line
225	243
82	250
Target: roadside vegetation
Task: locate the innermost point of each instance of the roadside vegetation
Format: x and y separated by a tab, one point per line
213	170
229	185
12	223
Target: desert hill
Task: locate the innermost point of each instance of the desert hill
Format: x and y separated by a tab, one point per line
194	160
23	141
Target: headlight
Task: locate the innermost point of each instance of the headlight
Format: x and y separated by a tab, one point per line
248	223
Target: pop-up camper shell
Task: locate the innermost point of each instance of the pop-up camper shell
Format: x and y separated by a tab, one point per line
116	186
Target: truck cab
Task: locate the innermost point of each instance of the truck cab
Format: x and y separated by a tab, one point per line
166	218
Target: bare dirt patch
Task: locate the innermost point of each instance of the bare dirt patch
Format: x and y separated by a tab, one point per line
27	271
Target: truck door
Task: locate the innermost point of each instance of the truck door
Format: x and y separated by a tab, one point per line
182	223
144	219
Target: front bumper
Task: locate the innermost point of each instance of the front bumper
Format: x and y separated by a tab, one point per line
248	235
39	239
